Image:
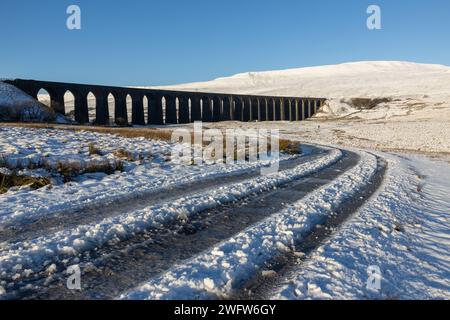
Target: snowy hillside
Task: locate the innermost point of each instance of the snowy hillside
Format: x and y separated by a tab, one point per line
356	79
17	105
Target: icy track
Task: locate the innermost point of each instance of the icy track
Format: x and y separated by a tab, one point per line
22	260
216	272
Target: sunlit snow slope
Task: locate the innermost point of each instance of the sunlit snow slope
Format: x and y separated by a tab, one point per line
357	79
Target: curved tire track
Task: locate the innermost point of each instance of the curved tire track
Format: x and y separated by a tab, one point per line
25	230
113	270
261	288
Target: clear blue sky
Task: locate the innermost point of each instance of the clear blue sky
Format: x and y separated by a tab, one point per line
155	42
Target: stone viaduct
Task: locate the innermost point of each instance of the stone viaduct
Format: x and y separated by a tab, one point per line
170	107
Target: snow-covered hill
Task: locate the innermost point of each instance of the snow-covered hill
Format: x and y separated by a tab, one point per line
356	79
17	105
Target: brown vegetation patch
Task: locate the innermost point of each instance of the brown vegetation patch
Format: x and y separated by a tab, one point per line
8	181
367	103
123	154
289	147
70	170
93	149
148	133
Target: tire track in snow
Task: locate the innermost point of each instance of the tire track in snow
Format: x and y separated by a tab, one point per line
128	262
262	288
25	230
221	271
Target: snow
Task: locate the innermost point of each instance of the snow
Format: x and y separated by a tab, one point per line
413	118
421	136
69	243
245	254
404	231
356	79
17	105
22	147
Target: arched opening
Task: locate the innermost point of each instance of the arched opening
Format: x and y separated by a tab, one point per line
145	103
111	107
233	109
69	104
163	104
92	105
44	97
129	103
190	108
177	109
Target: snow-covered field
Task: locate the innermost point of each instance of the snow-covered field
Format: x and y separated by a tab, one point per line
402	230
70	243
147	167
